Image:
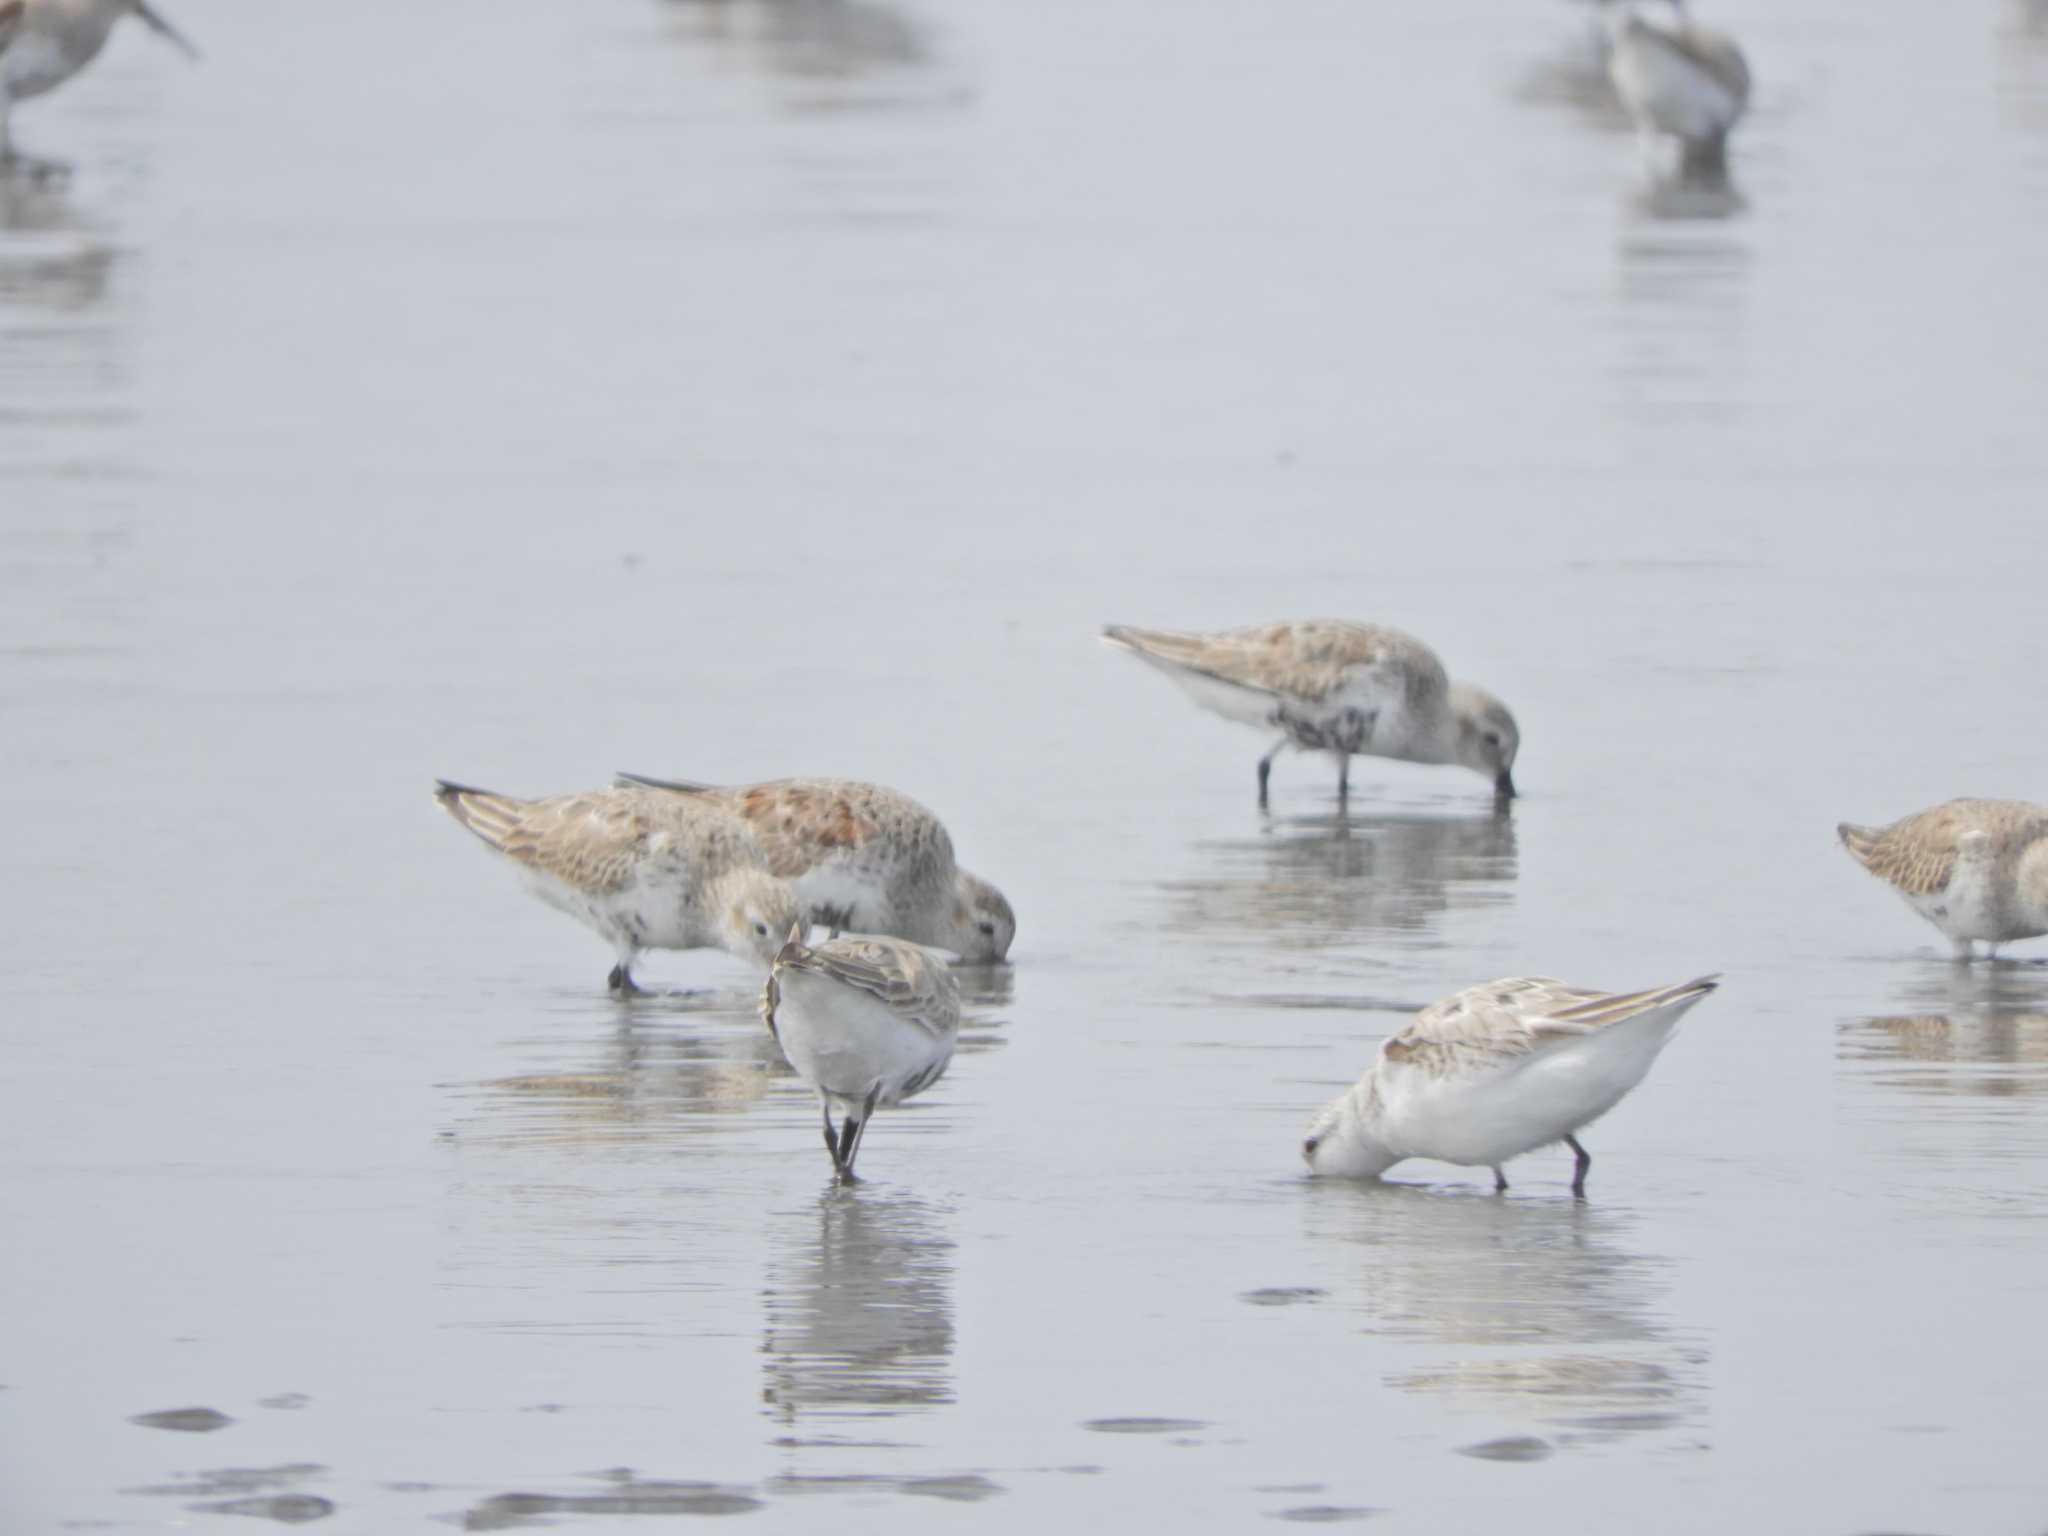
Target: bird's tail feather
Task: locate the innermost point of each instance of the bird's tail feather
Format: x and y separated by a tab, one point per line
492	817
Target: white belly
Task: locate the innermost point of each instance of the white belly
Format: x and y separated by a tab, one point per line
846	1045
1975	907
641	916
1666	93
1483	1120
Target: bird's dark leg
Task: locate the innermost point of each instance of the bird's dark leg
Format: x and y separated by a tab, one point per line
621	981
856	1129
1266	768
1343	778
831	1137
1585	1161
1500	1182
849	1133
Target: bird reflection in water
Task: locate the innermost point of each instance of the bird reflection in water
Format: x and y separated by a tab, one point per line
820	40
48	258
1316	882
1980	1033
859	1308
1681	324
1512	1306
651	1083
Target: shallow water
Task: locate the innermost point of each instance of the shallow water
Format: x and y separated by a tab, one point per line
735	389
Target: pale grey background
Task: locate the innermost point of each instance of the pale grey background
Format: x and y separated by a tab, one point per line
518	390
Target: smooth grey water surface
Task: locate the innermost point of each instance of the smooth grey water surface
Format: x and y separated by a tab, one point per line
520	391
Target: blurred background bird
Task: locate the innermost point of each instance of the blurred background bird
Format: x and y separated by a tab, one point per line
1679	80
51	41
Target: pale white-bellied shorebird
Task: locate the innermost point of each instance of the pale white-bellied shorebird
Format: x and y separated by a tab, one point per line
866	1023
1976	869
55	39
1679	80
1495	1071
643	869
865	859
1328	685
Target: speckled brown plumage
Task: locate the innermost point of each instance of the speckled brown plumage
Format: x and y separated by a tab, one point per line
1303	659
596	841
1492	1023
1917	853
864	858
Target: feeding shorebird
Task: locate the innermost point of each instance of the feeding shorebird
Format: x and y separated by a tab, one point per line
54	40
865	859
866	1022
1681	80
1329	685
1976	869
645	870
1495	1071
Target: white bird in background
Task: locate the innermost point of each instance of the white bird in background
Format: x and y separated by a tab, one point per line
1976	869
54	40
1680	80
1329	685
866	1022
1495	1071
642	869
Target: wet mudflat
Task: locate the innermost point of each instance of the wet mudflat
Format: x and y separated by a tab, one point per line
522	392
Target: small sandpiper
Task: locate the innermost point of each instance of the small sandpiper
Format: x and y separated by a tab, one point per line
1495	1071
1329	685
866	1023
1976	869
1680	80
54	40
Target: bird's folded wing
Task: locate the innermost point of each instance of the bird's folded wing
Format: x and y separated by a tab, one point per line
1499	1022
1304	659
1918	854
1714	53
624	780
591	842
914	986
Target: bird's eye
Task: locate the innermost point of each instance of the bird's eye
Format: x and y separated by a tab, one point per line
988	929
1308	1148
761	929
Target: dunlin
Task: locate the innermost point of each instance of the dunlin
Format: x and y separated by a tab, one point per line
643	869
1348	689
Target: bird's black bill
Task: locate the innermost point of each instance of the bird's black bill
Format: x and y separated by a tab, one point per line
1504	786
164	29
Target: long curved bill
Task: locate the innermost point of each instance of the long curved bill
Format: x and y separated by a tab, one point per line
164	29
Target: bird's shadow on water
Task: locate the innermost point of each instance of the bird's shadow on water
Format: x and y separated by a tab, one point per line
52	256
832	55
1540	1307
857	1313
652	1068
1673	197
1952	1029
1316	881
